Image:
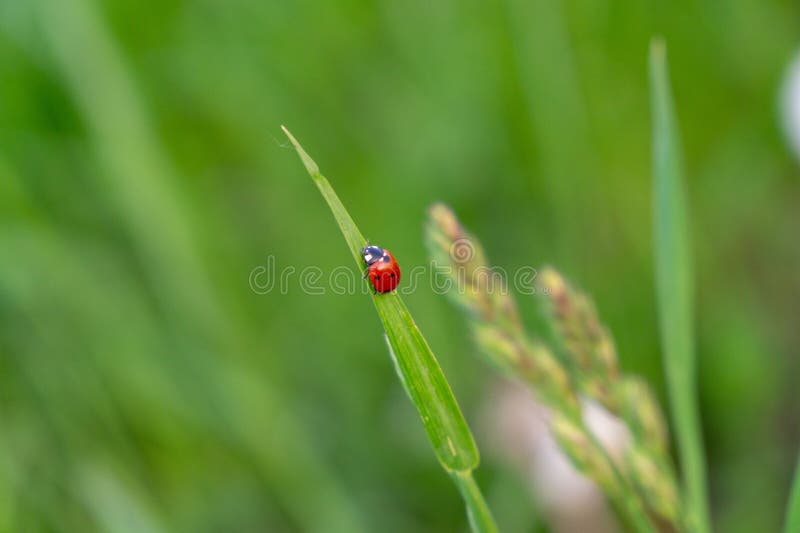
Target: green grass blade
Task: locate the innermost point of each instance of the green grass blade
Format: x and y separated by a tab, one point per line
426	386
792	524
674	288
419	370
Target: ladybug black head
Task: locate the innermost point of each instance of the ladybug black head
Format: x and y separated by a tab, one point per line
371	254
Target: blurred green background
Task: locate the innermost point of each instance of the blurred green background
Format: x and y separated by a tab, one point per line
145	387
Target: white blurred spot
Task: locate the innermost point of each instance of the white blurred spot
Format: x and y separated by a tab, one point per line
791	105
609	430
517	427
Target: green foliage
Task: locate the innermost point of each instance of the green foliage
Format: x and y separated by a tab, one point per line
417	368
675	289
141	183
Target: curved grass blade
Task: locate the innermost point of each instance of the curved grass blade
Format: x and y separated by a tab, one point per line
674	288
419	371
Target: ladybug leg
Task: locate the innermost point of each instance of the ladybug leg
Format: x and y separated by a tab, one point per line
366	273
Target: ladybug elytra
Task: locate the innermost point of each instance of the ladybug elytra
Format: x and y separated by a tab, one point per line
382	268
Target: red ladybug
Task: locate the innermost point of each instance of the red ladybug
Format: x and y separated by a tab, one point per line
382	268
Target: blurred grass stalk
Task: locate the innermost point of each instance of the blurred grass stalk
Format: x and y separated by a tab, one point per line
418	370
674	288
638	485
592	359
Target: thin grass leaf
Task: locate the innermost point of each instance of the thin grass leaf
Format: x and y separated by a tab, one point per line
421	374
674	288
792	524
419	369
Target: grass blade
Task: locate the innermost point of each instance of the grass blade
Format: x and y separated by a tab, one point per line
427	387
420	372
674	289
418	369
792	524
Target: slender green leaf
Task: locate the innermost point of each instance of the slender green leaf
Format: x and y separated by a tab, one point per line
419	370
674	288
792	524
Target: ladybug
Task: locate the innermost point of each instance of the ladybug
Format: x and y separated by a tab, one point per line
382	268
